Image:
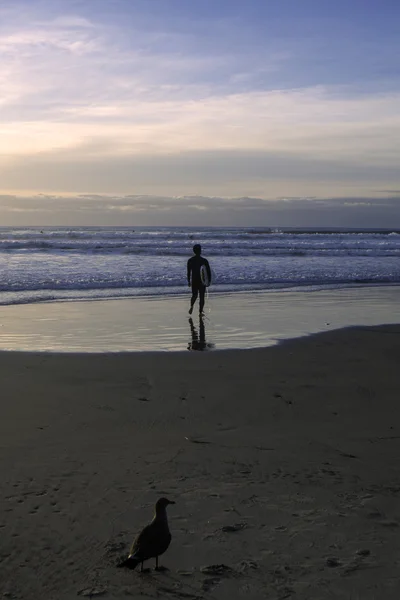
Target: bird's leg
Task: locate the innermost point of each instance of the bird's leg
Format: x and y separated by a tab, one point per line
160	568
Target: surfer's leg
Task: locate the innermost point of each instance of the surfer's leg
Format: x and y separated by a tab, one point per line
202	298
195	291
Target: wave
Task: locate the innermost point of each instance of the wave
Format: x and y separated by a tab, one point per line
230	248
114	287
63	263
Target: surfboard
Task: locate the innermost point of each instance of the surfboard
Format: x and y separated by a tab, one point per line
204	276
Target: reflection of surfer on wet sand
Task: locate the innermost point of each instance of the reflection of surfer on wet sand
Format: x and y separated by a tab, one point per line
198	342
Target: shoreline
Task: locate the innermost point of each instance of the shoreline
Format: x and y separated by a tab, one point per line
216	290
231	321
283	461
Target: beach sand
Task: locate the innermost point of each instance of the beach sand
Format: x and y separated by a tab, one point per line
284	463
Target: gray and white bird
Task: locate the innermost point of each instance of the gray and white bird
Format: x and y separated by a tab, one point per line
153	540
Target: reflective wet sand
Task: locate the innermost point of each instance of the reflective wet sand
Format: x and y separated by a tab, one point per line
248	320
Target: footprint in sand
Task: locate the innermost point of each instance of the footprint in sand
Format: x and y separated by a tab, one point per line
209	584
90	592
234	528
388	523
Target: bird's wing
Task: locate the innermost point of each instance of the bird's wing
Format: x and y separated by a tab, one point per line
152	541
144	542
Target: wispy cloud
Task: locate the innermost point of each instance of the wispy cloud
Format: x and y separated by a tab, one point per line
307	122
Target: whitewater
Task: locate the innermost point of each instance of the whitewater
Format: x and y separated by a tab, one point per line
88	263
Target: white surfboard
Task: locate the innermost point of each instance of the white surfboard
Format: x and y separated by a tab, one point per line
204	276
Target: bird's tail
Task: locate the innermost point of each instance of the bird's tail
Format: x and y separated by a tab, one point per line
129	563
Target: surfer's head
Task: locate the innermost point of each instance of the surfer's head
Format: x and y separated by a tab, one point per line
197	249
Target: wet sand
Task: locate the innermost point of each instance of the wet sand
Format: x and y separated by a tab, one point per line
240	320
284	464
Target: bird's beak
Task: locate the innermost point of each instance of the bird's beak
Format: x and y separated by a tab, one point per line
171	502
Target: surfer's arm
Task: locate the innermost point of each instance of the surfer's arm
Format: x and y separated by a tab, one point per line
189	269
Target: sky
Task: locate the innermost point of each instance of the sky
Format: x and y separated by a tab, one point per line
200	112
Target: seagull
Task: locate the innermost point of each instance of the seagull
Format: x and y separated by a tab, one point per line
153	540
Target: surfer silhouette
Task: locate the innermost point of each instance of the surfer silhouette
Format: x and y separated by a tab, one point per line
199	277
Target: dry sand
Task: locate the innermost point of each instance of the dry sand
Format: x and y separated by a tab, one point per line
284	464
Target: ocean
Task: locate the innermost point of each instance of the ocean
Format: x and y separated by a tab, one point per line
88	263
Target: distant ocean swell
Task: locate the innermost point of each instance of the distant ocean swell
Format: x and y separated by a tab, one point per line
92	263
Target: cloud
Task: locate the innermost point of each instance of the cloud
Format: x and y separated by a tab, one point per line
93	103
136	210
281	127
267	174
